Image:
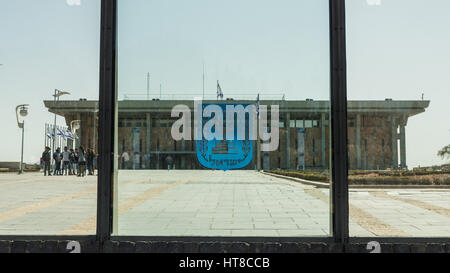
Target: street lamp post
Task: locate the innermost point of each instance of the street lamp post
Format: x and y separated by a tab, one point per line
56	96
74	126
21	110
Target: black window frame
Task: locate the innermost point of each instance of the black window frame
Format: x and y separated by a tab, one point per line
339	201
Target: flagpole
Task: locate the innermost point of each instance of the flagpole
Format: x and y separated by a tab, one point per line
54	127
148	86
258	139
219	91
203	80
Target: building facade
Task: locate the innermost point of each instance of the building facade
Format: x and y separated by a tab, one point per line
376	133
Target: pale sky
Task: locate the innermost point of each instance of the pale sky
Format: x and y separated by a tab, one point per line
45	44
398	50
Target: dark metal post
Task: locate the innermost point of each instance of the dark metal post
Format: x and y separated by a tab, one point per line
339	189
21	155
106	119
54	127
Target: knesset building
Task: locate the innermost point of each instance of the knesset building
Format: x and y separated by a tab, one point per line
376	132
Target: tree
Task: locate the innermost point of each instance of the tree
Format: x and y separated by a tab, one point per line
445	152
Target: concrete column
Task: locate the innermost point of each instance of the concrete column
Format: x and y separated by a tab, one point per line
288	140
149	139
255	154
258	146
79	142
394	142
323	141
366	163
266	161
402	147
358	141
183	156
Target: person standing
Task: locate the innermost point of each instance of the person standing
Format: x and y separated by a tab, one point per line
125	159
71	162
76	166
90	161
82	161
66	161
46	157
57	158
169	161
95	162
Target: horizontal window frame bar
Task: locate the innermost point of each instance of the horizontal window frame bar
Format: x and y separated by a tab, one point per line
399	240
197	239
92	237
352	240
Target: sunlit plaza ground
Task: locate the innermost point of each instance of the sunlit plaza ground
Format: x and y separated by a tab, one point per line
214	203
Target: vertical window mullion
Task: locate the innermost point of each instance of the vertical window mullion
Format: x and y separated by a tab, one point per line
106	118
339	189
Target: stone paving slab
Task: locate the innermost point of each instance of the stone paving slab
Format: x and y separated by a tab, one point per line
213	203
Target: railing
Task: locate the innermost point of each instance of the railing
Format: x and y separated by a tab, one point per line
190	96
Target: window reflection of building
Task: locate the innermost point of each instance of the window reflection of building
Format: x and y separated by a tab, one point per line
376	132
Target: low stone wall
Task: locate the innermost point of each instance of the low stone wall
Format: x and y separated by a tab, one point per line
15	166
10	165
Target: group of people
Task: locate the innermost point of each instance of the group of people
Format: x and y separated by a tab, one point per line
126	162
69	162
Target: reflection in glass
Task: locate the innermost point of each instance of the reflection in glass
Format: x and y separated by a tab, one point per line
398	65
174	53
48	45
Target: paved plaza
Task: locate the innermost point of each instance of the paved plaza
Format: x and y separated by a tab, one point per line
214	203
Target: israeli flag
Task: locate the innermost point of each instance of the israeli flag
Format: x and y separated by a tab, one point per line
257	104
60	133
50	133
219	91
69	134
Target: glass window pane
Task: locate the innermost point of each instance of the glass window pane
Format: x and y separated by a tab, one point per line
257	56
49	56
398	90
